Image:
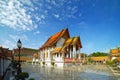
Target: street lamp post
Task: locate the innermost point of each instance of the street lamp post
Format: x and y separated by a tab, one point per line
19	44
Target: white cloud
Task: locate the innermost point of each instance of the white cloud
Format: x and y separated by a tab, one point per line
11	41
56	15
13	15
16	37
28	14
83	25
8	44
37	32
27	2
51	1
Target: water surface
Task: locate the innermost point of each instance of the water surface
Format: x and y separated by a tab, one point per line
39	72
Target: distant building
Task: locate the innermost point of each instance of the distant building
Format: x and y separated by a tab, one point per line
60	47
25	54
115	53
5	59
101	59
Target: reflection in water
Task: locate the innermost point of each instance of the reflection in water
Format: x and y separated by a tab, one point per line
74	73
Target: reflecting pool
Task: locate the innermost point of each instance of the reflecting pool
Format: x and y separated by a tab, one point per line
94	72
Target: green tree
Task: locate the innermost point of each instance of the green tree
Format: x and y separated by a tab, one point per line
97	54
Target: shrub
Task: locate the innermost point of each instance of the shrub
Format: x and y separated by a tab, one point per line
73	62
43	63
111	63
29	61
23	75
115	68
115	61
37	62
52	63
90	60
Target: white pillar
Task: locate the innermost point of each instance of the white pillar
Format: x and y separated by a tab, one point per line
43	55
39	55
74	51
56	55
59	55
67	55
48	54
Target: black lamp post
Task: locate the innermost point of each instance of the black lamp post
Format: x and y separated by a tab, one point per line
19	45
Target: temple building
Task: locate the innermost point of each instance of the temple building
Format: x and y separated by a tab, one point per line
59	47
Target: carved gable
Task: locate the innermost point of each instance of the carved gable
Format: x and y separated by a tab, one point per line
60	42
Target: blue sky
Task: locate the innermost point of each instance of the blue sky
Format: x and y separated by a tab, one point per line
97	22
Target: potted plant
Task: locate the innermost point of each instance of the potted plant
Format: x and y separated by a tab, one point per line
53	63
43	63
73	62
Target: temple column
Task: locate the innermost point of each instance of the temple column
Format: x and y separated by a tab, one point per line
62	55
70	53
59	55
44	54
56	55
74	51
48	53
67	52
40	55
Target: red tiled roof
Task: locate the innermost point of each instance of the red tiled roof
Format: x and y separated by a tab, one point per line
53	39
5	53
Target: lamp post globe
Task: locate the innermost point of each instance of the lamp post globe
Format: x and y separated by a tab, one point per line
19	44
